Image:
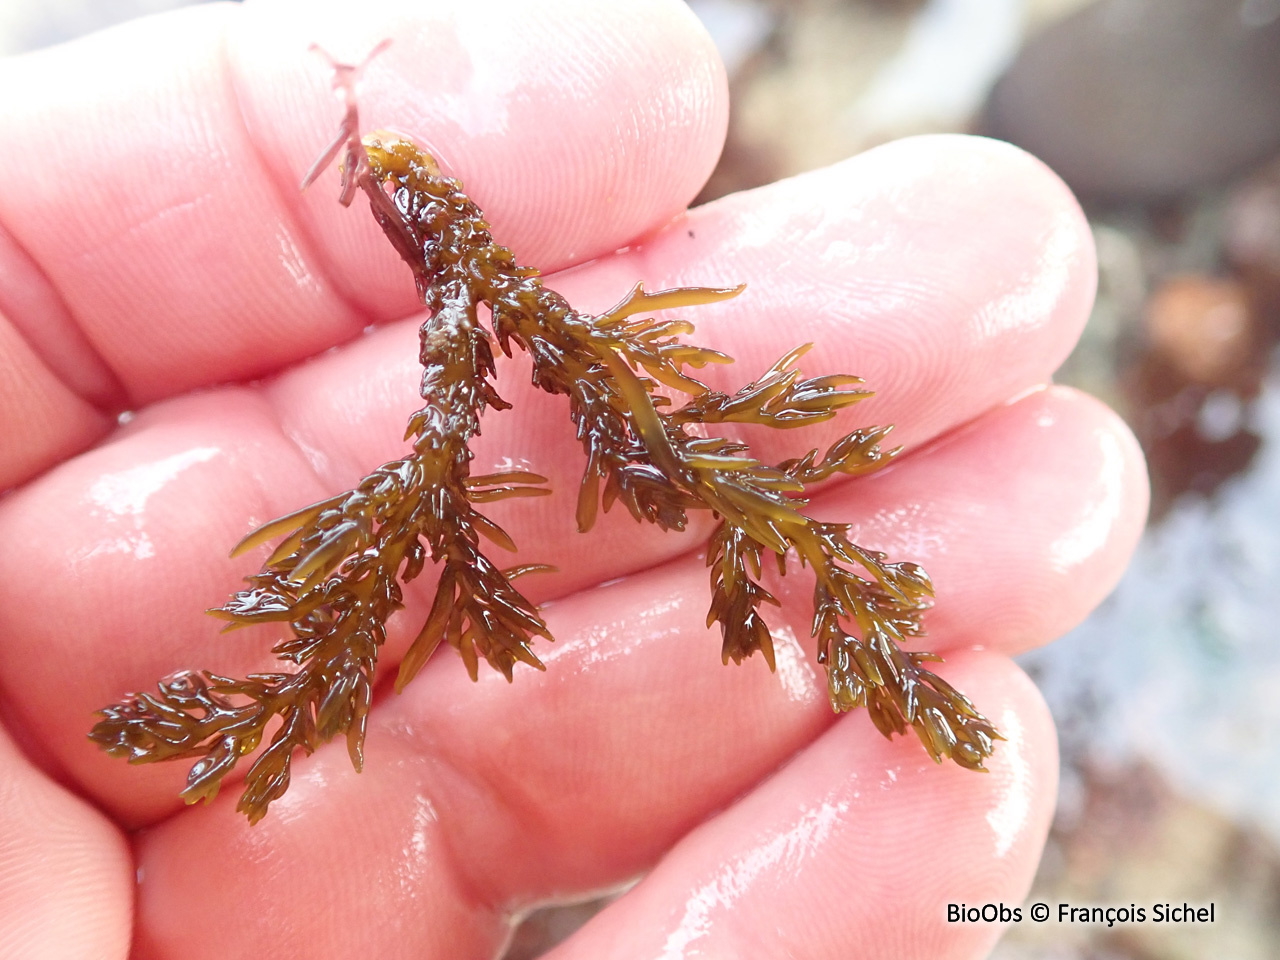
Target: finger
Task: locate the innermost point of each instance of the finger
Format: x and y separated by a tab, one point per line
962	274
636	732
127	548
66	875
1025	519
853	851
341	411
575	779
41	420
904	809
951	273
179	241
577	126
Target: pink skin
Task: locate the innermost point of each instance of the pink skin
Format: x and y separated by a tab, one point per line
158	255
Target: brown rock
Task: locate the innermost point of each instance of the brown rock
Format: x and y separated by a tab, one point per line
1202	326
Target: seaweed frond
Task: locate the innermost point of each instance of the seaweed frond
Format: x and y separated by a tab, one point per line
335	575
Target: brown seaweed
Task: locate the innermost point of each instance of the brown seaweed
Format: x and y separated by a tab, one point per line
335	574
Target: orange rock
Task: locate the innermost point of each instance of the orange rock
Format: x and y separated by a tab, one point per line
1203	326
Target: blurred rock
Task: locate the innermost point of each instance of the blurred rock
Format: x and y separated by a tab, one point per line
790	94
1203	326
952	53
738	28
1144	99
1178	670
1252	237
1093	365
815	81
1135	840
1192	388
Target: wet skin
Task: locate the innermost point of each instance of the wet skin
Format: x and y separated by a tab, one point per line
188	281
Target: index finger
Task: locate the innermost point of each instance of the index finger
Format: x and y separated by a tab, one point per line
160	162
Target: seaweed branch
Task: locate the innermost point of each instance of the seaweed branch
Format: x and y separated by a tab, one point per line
335	575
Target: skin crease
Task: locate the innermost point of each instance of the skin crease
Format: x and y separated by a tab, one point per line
953	274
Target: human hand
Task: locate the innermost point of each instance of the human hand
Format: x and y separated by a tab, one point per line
159	251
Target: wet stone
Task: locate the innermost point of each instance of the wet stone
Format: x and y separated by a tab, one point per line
1139	100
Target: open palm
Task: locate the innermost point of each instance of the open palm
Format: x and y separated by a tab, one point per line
156	256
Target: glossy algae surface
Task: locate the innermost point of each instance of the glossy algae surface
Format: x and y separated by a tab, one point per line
335	575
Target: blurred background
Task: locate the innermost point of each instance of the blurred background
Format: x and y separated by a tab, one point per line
1164	117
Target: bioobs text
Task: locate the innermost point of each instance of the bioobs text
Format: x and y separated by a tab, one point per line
984	913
